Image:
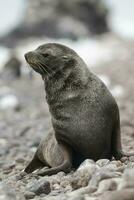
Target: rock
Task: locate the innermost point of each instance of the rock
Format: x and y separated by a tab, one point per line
61	19
125	194
41	186
77	197
118	163
80	192
3	150
3	142
131	158
86	164
102	162
12	68
56	187
107	184
7	193
29	195
21	175
4	56
101	174
127	179
90	198
9	102
20	160
83	174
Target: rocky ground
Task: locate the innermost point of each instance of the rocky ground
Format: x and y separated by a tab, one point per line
26	119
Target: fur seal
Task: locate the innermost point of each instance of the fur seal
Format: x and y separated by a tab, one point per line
85	116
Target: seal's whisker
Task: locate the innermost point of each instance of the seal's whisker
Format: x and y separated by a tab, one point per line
34	66
43	69
49	68
52	71
44	66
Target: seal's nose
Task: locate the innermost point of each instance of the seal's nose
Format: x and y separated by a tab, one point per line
28	55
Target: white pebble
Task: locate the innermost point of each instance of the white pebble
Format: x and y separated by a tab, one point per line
117	91
9	102
3	142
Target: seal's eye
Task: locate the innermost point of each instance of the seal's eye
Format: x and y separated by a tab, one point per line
45	55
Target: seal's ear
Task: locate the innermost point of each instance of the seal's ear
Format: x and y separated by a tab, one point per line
65	57
69	60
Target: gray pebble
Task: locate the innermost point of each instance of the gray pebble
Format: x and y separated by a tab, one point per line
102	162
40	187
107	184
29	195
127	179
131	158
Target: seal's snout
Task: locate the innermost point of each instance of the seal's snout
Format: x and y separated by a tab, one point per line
28	55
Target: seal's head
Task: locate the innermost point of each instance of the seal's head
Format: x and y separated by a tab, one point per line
50	58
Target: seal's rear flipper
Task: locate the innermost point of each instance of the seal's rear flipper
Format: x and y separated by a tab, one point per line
65	166
34	164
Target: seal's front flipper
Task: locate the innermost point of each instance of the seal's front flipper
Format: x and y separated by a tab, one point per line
34	164
65	166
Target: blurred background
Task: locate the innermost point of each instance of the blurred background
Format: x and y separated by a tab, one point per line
91	27
100	31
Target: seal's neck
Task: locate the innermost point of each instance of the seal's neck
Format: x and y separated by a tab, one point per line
69	78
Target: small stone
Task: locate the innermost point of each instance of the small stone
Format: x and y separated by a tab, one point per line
111	166
105	185
77	197
9	102
101	174
20	160
87	166
21	175
64	183
29	195
8	193
128	179
56	187
12	68
90	198
41	186
102	162
125	194
83	174
61	174
3	142
118	163
124	159
3	150
131	158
